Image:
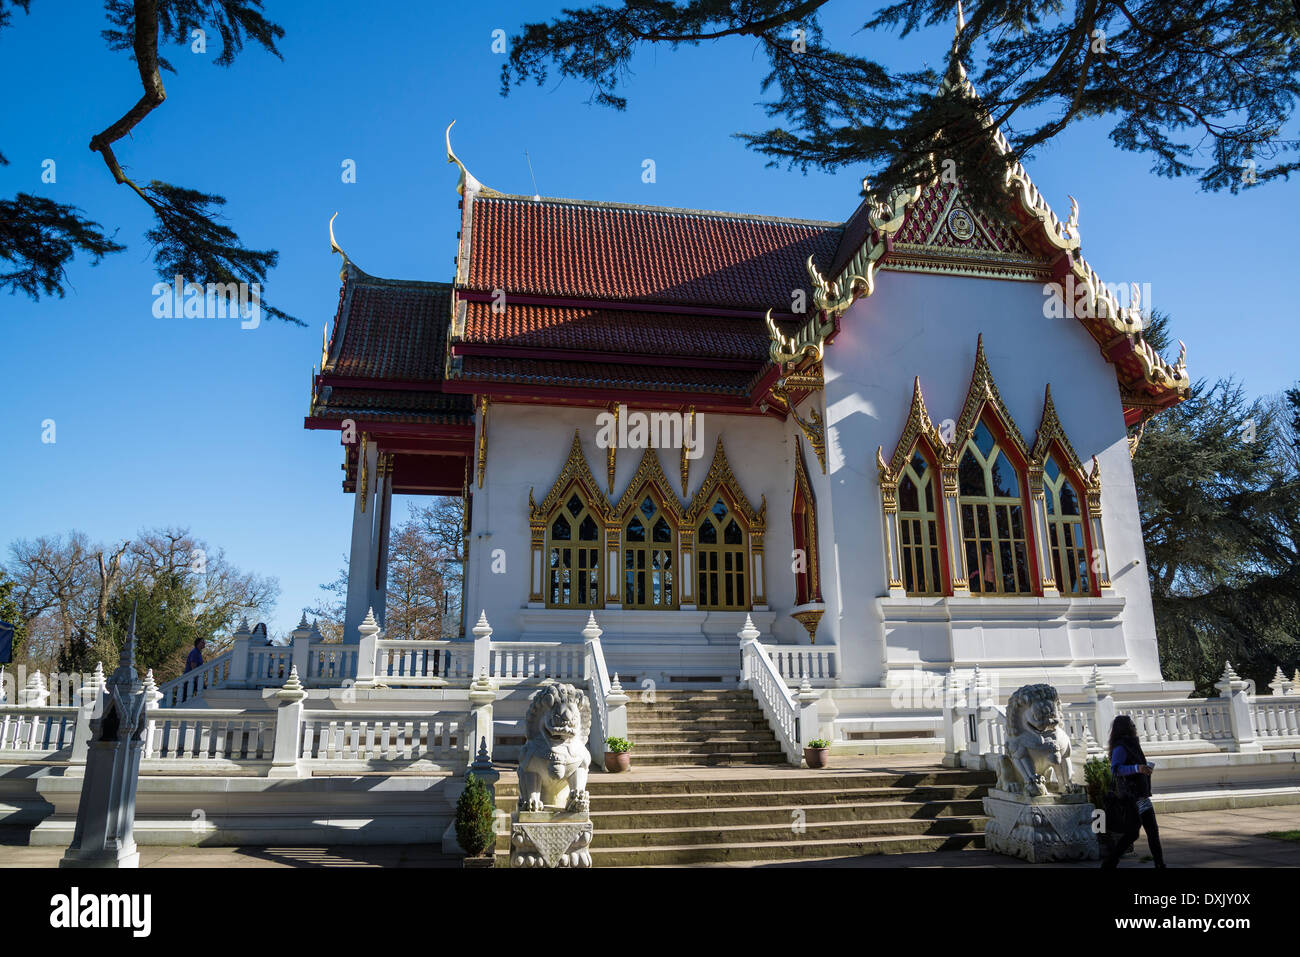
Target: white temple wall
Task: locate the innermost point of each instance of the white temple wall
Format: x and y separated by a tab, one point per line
927	325
528	446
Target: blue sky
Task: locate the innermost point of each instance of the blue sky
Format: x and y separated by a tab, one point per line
199	423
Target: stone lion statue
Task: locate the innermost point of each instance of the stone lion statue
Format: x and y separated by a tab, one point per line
1035	743
554	760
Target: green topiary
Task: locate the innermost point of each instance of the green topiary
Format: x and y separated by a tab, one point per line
475	811
618	745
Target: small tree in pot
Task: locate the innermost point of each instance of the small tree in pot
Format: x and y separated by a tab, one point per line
475	812
617	757
818	753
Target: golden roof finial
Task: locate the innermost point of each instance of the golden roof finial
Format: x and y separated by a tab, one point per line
336	248
961	19
467	182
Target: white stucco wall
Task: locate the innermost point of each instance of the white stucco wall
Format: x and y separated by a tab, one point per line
927	325
528	446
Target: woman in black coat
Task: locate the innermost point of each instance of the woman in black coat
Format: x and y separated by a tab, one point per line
1132	776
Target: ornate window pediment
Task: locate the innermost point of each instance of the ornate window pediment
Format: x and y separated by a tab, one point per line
728	540
1072	506
568	537
649	519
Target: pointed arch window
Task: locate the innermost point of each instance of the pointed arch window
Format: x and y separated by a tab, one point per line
728	542
568	538
994	517
1065	531
913	502
649	553
803	515
918	528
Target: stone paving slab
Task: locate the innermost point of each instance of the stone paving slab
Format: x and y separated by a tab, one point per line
1230	838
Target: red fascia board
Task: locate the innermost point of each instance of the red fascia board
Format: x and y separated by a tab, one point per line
618	358
581	395
617	305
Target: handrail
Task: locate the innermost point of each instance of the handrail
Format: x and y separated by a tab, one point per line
774	697
213	673
596	674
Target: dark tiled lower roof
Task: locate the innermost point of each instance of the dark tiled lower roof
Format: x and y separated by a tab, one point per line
393	405
390	329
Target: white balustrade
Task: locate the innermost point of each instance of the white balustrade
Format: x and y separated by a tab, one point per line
192	684
208	734
794	663
330	663
536	660
369	737
32	730
1277	720
759	674
421	662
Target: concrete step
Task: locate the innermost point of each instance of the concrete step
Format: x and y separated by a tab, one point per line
708	759
600	784
783	816
644	726
659	803
679	855
702	745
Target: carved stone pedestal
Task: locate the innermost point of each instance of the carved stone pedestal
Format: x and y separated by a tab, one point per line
550	839
1040	829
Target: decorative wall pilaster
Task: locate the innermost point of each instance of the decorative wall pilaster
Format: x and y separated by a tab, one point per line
1041	533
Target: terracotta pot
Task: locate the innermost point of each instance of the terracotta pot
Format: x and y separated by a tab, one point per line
817	757
618	762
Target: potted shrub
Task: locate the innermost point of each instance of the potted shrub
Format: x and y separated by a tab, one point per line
617	757
818	753
475	813
1098	783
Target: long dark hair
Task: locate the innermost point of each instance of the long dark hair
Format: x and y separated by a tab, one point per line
1124	732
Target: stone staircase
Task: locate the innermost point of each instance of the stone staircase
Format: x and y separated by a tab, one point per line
709	728
785	814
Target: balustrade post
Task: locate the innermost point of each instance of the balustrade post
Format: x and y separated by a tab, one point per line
955	740
481	742
367	652
616	705
1279	685
35	694
748	635
1240	717
1101	697
239	676
809	720
90	706
288	727
482	663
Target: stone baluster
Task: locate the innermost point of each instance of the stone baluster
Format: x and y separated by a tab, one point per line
367	652
288	727
1240	717
480	741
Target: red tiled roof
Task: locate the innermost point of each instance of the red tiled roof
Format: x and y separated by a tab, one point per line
613	252
645	334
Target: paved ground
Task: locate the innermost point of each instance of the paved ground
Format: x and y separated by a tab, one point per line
1232	838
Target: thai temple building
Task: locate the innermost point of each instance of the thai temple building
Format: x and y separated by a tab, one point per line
885	441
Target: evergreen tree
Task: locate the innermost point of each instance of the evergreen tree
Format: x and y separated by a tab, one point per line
10	612
1185	81
1220	507
166	624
